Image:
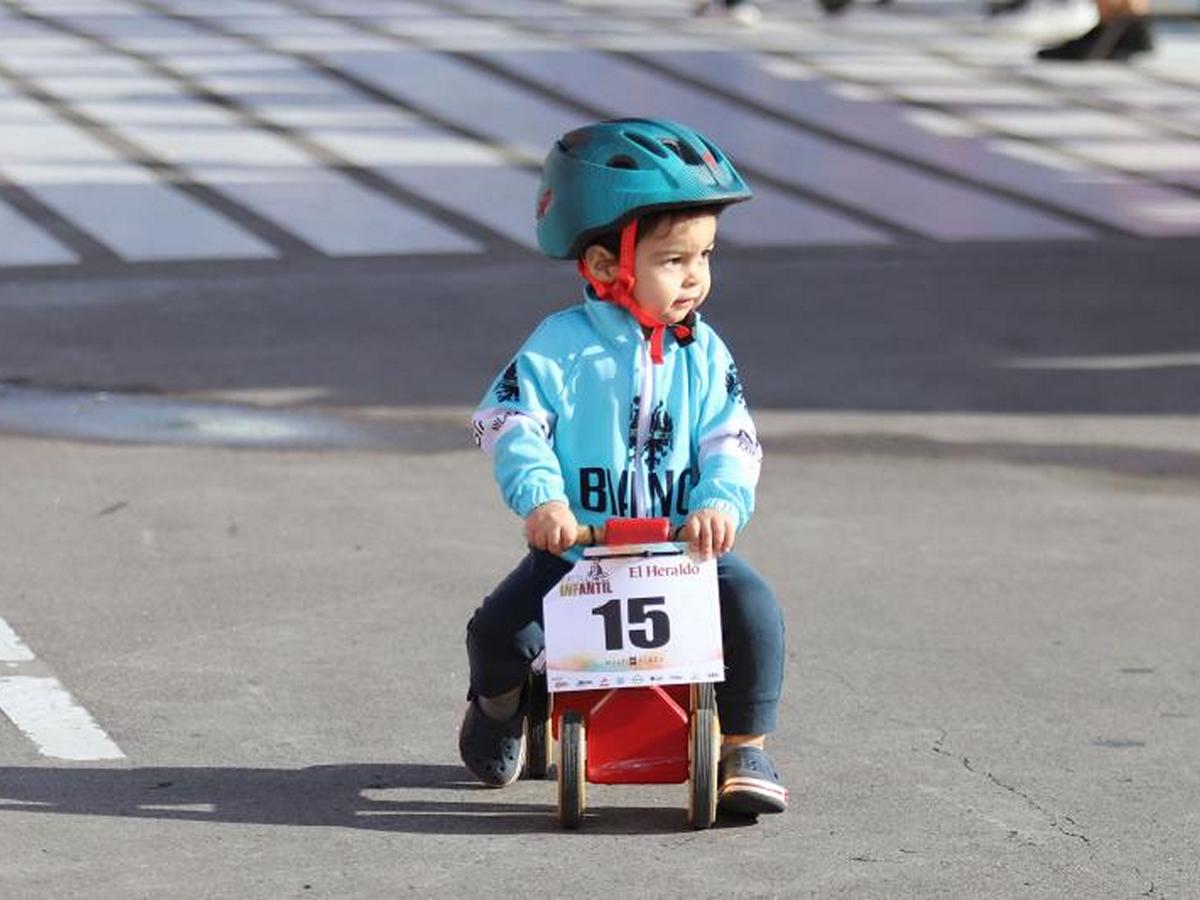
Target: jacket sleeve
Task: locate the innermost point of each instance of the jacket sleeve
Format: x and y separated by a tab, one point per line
514	424
729	453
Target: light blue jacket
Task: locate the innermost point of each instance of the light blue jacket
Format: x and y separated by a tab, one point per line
582	415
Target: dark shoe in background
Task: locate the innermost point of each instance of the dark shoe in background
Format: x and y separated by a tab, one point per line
1004	7
1116	39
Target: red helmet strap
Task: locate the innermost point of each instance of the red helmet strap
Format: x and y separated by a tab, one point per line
620	291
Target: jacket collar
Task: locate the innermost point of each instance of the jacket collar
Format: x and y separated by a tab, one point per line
618	326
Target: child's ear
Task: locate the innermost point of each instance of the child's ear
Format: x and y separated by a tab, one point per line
601	264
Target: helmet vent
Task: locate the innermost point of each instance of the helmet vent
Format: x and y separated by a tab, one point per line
647	143
713	150
621	162
572	139
684	151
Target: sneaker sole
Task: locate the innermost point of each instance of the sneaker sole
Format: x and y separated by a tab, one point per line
487	782
752	796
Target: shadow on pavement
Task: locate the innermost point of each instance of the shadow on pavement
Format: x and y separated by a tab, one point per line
1093	327
354	795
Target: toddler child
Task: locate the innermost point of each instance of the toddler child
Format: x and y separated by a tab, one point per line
627	405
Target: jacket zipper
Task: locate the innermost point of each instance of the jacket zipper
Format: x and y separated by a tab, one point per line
646	399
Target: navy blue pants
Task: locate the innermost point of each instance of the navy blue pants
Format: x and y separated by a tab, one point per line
505	635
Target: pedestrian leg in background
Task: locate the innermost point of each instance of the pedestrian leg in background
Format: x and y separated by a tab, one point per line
743	12
1043	22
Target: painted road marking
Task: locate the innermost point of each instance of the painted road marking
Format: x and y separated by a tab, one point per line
1122	202
235	138
85	181
457	92
875	185
258	169
12	648
45	712
49	716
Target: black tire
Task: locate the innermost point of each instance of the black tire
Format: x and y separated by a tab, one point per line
704	752
572	770
834	7
537	730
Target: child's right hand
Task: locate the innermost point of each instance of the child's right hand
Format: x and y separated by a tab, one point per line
552	527
709	532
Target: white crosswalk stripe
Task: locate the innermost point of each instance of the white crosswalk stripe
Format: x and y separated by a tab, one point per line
123	205
471	98
259	170
1123	203
43	710
250	130
905	197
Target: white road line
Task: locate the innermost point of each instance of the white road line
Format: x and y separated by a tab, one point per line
45	712
12	648
458	174
530	123
1146	209
50	717
119	203
908	197
330	211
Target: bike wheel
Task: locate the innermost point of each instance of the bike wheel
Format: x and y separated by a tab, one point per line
704	752
537	730
572	770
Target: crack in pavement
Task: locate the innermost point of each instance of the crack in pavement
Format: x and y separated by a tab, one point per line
1056	821
1150	891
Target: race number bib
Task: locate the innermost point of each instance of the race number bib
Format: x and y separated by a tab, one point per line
633	621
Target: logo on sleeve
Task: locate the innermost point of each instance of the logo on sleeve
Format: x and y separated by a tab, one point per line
508	390
749	444
733	385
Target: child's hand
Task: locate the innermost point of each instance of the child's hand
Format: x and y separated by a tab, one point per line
552	527
709	531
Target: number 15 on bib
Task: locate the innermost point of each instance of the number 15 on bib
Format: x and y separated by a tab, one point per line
633	621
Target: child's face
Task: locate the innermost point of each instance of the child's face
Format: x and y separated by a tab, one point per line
671	267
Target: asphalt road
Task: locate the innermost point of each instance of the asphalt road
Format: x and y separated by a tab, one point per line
987	570
1103	327
991	683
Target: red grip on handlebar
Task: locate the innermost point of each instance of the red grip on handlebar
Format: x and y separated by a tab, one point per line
636	531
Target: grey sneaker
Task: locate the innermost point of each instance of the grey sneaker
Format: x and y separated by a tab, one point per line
749	783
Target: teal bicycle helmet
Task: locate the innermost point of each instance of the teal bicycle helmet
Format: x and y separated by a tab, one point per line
598	178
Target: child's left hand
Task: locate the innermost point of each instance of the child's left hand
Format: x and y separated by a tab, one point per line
709	531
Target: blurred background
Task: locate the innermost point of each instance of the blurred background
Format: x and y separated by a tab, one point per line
327	202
